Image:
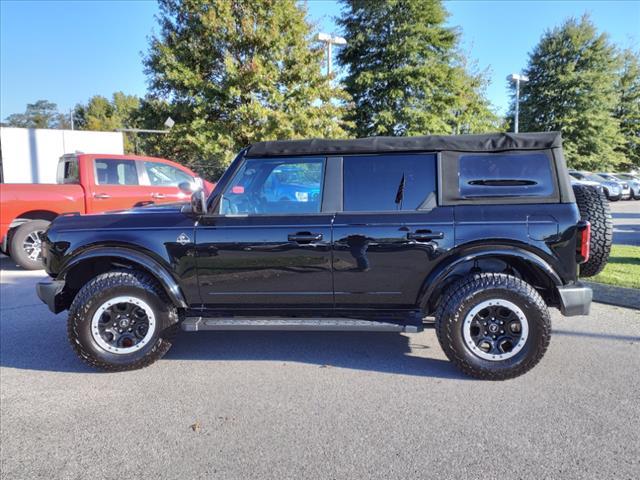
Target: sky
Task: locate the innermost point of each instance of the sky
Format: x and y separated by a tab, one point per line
68	51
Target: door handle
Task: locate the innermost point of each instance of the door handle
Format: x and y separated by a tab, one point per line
304	237
101	196
424	235
157	195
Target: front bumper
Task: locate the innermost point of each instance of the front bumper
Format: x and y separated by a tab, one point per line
575	300
51	293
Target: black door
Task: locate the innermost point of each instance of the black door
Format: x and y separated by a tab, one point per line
390	232
269	245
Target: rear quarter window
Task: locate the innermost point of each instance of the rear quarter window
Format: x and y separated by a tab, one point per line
506	175
379	183
68	171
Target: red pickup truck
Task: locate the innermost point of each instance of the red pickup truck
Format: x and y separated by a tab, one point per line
86	183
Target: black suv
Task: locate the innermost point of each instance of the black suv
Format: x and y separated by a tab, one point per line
481	232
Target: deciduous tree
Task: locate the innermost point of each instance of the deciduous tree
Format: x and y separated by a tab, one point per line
41	114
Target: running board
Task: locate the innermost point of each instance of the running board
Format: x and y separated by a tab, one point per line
196	324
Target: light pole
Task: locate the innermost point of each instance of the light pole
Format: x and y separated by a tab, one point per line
330	40
169	123
517	78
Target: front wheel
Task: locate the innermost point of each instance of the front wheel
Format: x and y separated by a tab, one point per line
121	320
493	326
26	244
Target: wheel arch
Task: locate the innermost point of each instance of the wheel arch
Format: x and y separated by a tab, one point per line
47	215
94	261
522	263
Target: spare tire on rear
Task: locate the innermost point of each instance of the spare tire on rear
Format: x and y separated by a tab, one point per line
594	208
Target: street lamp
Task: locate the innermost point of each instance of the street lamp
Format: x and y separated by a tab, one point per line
517	78
330	40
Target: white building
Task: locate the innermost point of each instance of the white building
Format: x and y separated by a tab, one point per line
30	155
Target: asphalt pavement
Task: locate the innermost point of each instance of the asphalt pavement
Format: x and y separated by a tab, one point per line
626	222
281	405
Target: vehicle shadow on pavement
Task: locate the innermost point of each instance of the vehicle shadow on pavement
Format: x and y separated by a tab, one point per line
625	215
372	351
378	352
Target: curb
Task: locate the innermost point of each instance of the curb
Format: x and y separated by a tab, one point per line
620	296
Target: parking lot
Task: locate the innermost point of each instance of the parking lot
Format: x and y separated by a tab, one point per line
626	222
315	405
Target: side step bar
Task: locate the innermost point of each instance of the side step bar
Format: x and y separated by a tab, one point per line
196	324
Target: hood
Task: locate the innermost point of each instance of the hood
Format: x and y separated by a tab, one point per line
140	217
154	208
586	182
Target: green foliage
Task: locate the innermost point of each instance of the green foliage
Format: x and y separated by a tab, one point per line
41	114
628	108
236	72
405	73
571	88
102	114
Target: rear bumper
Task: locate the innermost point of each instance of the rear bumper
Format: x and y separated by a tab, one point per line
575	300
51	294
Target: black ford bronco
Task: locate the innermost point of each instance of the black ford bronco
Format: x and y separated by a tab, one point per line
481	232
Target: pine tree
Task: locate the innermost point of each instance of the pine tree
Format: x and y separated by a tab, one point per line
628	109
572	74
405	73
239	71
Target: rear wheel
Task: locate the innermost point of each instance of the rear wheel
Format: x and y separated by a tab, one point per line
121	320
594	208
26	244
493	326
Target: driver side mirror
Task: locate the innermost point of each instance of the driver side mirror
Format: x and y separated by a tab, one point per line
198	197
198	202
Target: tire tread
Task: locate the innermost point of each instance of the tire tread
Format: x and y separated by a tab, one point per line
117	278
450	308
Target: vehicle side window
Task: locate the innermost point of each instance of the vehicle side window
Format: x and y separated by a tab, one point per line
116	172
389	182
163	175
275	186
505	174
68	171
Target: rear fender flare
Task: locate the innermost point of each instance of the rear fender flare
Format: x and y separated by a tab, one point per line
442	271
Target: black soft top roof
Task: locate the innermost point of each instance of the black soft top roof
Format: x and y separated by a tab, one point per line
492	142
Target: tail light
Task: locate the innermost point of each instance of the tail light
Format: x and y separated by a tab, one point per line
583	240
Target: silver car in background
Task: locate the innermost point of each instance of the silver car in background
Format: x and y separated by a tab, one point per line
612	189
633	181
626	189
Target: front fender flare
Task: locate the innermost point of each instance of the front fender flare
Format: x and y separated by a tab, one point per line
160	272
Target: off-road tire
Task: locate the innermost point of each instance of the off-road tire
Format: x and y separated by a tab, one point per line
18	237
594	208
110	285
461	297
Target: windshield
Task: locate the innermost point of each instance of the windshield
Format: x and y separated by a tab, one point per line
626	176
596	178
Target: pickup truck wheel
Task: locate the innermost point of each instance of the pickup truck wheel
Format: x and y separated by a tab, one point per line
493	326
26	244
121	320
594	208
